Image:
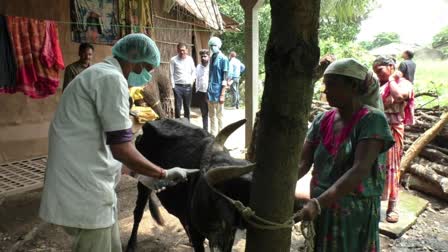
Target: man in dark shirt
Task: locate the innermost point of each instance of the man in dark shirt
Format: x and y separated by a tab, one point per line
407	67
85	57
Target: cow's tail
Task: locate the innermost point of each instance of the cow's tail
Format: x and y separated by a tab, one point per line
154	209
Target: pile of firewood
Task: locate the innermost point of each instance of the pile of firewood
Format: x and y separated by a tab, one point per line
427	169
427	162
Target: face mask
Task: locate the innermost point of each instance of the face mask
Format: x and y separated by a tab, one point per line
140	79
215	49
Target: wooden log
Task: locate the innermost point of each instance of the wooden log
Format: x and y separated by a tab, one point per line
441	149
438	168
434	155
418	145
430	175
419	184
428	117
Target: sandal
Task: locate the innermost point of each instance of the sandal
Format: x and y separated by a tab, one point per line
392	216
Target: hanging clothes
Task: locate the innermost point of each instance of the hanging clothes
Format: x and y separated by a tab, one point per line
38	55
8	66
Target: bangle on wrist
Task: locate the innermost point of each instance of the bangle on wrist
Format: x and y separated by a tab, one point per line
316	202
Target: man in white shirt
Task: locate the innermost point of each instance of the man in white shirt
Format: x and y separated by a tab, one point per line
202	72
236	67
89	141
182	76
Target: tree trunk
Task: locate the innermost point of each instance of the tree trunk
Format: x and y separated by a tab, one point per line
291	56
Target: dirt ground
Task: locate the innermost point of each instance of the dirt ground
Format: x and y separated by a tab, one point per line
18	216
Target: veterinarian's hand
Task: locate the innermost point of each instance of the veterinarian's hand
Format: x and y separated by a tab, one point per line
178	174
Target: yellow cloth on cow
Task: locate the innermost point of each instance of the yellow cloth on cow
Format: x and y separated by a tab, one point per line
144	114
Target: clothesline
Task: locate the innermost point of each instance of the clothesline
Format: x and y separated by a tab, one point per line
136	25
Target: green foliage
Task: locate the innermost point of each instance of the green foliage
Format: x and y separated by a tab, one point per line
346	10
440	38
381	39
341	19
339	31
347	50
234	41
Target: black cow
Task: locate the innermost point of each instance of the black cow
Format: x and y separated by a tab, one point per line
202	212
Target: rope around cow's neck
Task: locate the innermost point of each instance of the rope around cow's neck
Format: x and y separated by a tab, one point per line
307	227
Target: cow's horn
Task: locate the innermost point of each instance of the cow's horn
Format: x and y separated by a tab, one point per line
221	174
222	136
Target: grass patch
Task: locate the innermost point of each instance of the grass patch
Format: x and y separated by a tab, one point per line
432	76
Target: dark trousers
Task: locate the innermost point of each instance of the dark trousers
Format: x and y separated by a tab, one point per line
202	97
182	95
234	90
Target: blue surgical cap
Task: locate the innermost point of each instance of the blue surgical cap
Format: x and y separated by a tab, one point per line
215	41
137	48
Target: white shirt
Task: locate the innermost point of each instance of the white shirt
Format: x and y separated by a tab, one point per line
235	68
182	71
202	78
81	171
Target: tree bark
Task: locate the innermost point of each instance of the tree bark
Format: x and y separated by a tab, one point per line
418	145
291	56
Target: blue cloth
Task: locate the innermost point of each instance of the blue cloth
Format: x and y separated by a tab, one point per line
219	65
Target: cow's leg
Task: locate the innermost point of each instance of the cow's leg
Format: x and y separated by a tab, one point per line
197	240
223	241
142	198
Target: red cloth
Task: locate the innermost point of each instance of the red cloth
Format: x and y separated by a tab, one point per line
393	161
331	141
38	55
51	55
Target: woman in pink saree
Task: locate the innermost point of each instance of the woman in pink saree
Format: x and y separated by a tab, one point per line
398	99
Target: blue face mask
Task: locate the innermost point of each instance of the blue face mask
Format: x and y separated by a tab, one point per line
140	79
215	49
